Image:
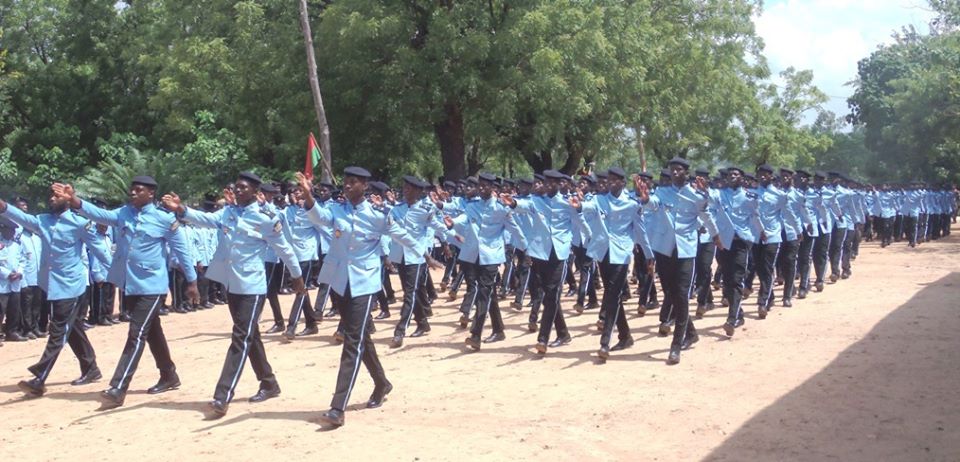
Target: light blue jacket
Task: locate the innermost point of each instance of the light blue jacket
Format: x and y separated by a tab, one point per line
614	224
481	225
420	221
737	215
680	212
553	222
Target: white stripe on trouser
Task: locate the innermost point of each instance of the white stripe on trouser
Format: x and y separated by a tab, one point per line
303	297
246	348
526	282
693	275
413	301
842	243
356	366
66	335
772	272
139	343
746	264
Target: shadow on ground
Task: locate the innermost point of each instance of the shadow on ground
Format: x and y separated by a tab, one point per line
892	396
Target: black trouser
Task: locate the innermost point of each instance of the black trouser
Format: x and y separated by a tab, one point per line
144	328
386	282
302	305
175	280
486	276
886	230
766	258
535	288
244	342
203	285
821	254
587	290
101	301
508	266
856	234
10	304
646	281
804	258
524	277
898	228
706	251
357	347
922	228
274	273
429	291
468	273
614	278
552	273
910	227
570	277
323	291
788	266
450	265
734	264
414	305
31	304
847	251
676	279
65	327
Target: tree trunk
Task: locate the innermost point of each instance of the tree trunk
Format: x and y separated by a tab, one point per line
574	156
450	133
327	174
641	148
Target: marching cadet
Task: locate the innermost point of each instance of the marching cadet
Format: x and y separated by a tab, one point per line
482	225
417	214
62	277
304	237
352	268
139	269
11	276
828	212
587	289
773	212
272	265
810	200
613	221
549	241
681	209
706	252
31	296
247	230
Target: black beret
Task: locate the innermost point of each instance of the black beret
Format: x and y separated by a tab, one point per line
553	174
21	199
702	172
358	172
538	176
833	173
269	187
472	180
509	181
449	184
601	174
646	175
819	174
145	180
665	172
567	177
680	161
326	184
728	169
379	186
251	177
617	171
765	168
749	177
528	181
786	171
803	172
588	178
487	177
415	182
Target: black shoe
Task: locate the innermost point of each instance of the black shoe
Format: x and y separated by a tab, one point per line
290	333
276	328
379	395
623	344
690	339
787	303
382	315
593	305
331	313
571	292
30	335
338	337
283	291
85	326
664	329
15	337
90	376
464	320
762	312
845	274
819	286
421	331
641	310
397	341
38	333
729	329
218	408
333	417
163	312
165	384
124	317
452	295
308	330
495	337
101	322
473	342
604	353
578	307
801	294
112	397
532	326
265	393
516	306
207	305
701	310
560	341
834	278
391	300
34	388
541	348
652	305
674	357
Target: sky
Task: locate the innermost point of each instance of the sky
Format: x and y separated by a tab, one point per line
831	36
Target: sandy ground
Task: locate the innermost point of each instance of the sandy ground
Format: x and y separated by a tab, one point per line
866	370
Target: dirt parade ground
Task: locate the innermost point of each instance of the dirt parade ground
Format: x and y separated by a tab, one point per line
867	370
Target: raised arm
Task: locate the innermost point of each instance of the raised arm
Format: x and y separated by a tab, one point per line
29	222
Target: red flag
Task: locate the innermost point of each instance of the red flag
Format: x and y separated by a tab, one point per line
313	156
